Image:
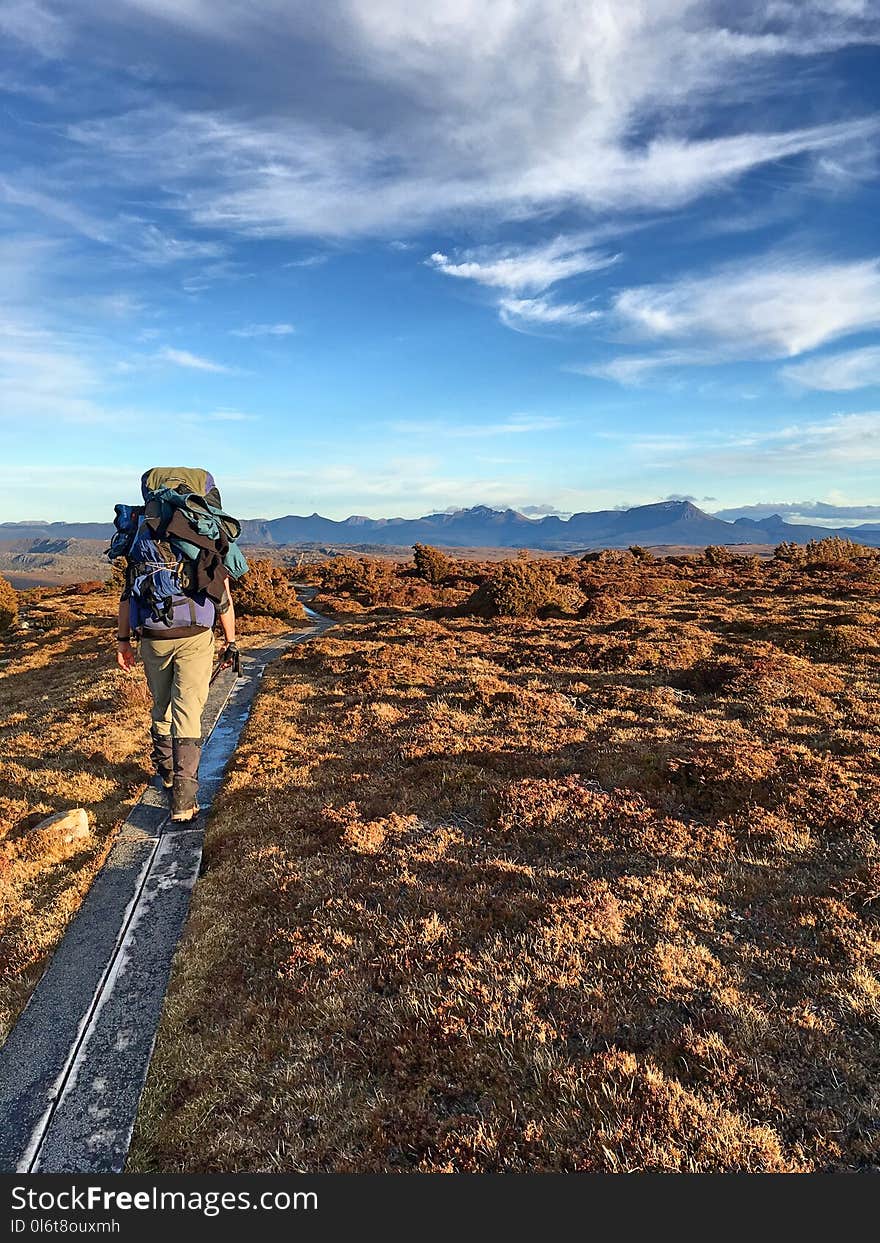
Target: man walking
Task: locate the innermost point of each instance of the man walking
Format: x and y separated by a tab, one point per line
166	607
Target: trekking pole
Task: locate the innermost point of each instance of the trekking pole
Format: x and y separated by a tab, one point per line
231	659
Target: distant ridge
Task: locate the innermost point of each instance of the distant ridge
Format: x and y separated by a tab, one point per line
666	522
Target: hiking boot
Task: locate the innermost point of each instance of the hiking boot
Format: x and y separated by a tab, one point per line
185	787
163	757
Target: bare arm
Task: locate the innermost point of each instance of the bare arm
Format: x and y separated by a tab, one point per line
227	618
125	654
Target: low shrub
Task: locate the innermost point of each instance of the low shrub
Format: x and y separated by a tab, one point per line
831	551
514	589
267	591
610	556
368	580
117	576
431	564
717	555
601	606
8	605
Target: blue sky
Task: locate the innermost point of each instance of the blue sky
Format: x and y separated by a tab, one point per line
375	257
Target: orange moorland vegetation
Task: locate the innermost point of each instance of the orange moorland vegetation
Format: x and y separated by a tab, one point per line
73	733
594	887
66	740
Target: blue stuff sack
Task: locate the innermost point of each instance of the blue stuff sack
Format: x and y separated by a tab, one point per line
161	597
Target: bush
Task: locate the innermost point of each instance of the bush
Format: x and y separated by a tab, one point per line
834	550
8	605
431	564
609	556
368	580
789	554
515	589
640	553
601	606
117	576
267	591
717	555
830	552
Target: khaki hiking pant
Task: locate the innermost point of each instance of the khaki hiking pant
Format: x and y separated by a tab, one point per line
178	675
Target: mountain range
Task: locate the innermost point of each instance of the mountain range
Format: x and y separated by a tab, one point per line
667	522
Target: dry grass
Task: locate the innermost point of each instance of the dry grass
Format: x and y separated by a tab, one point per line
73	733
580	893
66	740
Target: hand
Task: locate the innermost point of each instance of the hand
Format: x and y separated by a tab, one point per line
231	657
125	655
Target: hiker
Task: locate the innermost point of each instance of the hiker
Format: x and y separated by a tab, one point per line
180	554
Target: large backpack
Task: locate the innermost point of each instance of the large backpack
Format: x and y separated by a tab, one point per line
160	576
162	597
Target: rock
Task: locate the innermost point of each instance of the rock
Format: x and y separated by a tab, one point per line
72	825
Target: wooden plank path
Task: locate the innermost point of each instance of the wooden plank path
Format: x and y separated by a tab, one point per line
74	1066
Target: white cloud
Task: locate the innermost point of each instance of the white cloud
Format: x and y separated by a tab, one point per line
812	447
215	416
309	261
825	513
524	314
54	376
54	207
183	358
448	111
515	425
841	441
636	369
524	270
136	238
34	25
156	247
518	270
261	179
842	372
769	307
390	489
264	330
46	377
850	438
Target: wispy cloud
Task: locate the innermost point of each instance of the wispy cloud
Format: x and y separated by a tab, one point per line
525	314
842	372
134	237
44	377
515	425
308	261
636	369
335	184
215	416
264	330
522	269
812	446
822	512
544	511
389	489
232	140
35	25
841	441
529	112
183	358
769	307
